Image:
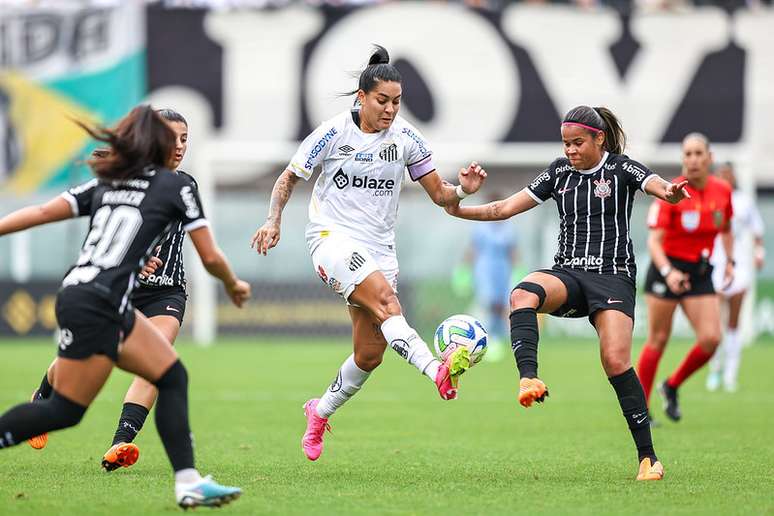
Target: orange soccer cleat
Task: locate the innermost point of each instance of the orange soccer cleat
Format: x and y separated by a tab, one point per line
39	441
120	455
531	390
650	471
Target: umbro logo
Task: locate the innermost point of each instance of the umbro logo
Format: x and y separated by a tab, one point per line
346	150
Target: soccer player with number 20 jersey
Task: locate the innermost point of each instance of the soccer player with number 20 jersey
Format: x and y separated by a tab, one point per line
593	275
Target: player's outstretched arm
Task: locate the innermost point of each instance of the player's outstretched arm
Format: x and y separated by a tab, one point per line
31	216
444	193
216	264
268	235
666	191
496	210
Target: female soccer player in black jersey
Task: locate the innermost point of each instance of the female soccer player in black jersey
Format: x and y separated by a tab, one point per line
594	270
136	201
160	296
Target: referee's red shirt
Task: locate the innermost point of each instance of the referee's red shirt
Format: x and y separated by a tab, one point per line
691	225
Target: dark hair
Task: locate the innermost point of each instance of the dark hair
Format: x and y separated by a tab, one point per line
140	139
378	69
602	119
170	115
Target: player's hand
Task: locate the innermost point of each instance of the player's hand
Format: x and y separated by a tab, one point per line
266	237
678	281
471	178
153	263
676	192
728	275
239	292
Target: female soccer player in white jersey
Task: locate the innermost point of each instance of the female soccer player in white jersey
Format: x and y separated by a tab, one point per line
594	271
747	227
350	233
136	201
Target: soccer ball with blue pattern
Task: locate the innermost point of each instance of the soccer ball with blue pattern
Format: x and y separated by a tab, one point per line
461	330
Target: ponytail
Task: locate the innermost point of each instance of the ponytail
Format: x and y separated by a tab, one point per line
378	69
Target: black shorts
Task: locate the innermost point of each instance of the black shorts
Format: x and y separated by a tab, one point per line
89	324
160	301
700	278
589	292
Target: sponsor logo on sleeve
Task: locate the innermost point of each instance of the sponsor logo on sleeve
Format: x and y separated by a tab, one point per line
191	207
637	172
545	176
318	147
419	141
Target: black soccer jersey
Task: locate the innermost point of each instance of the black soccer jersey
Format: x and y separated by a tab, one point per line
595	208
170	249
128	220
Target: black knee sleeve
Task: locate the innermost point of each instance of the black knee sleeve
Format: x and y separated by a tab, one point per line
524	341
175	376
533	288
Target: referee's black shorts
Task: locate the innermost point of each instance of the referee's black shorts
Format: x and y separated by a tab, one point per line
700	278
89	324
589	292
153	301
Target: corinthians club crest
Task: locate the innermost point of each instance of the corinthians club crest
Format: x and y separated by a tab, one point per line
602	188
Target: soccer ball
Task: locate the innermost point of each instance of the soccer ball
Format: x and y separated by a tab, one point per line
461	330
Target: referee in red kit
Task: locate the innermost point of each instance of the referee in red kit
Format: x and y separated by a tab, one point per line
680	243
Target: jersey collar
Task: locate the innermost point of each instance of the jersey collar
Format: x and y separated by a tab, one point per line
597	167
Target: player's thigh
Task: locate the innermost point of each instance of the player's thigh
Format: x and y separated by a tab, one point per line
661	311
555	289
703	312
168	325
145	351
80	379
735	308
367	339
615	340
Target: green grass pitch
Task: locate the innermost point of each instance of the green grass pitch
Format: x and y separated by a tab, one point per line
397	448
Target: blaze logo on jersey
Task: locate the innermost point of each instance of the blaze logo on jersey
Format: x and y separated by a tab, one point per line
341	180
602	188
389	152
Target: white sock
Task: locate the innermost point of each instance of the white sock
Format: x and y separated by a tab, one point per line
349	380
408	344
733	355
187	476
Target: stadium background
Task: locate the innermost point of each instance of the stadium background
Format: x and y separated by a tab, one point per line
488	83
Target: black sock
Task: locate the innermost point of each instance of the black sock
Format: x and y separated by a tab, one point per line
632	400
524	341
130	423
45	389
35	418
172	416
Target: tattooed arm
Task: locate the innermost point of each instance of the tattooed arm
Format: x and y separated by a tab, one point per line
497	210
268	235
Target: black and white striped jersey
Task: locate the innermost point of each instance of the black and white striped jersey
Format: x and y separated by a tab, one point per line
595	208
170	248
128	220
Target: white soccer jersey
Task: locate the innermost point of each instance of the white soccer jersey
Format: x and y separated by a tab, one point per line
745	224
356	193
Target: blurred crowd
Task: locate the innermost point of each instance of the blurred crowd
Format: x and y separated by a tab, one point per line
622	5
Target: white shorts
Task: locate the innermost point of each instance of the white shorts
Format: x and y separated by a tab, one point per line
741	282
342	263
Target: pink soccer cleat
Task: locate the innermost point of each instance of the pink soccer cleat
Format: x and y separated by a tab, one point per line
312	442
447	378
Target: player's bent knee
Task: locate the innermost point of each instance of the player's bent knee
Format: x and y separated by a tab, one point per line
387	306
62	412
614	365
709	343
176	377
368	363
525	294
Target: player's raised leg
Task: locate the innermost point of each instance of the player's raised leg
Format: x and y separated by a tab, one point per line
615	347
538	292
43	392
146	353
139	399
703	312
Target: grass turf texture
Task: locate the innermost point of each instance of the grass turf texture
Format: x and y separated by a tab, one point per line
397	448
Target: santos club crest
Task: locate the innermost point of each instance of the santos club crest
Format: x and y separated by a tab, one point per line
602	188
